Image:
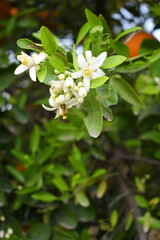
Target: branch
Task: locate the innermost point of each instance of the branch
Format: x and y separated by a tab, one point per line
139	159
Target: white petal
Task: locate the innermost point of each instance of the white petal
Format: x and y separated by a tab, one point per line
88	55
86	82
62	99
21	68
52	103
98	61
39	58
82	61
48	108
59	112
72	102
74	92
77	74
65	89
95	75
32	73
100	72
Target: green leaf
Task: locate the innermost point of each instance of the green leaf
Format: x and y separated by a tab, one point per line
128	221
107	114
66	218
16	174
114	218
99	172
92	18
41	74
48	40
101	190
44	197
85	214
3	201
7	77
126	92
104	24
82	32
113	61
82	199
154	222
151	89
133	29
141	201
85	235
75	63
75	159
34	139
120	48
94	120
155	56
57	64
39	231
107	94
60	183
146	223
29	45
98	82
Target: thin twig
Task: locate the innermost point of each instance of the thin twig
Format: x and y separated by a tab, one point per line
139	159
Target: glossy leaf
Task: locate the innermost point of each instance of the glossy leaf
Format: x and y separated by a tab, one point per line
41	74
92	18
44	197
126	92
29	45
82	32
39	231
48	40
120	48
133	29
94	120
98	82
57	64
113	61
141	201
82	199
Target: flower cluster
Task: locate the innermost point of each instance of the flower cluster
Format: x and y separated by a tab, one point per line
6	234
72	86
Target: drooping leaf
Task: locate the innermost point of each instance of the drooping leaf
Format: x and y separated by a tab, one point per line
94	120
29	45
126	92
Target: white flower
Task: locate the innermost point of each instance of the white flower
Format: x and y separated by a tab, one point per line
56	86
69	84
82	92
2	218
1	233
10	231
60	105
61	76
29	63
89	67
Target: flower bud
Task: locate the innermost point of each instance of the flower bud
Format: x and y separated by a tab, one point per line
76	88
61	99
2	218
61	76
82	92
10	231
80	100
7	235
69	82
68	96
80	84
56	71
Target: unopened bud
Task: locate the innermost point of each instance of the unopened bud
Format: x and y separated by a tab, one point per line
10	231
80	84
57	100
68	96
69	82
80	100
76	88
61	76
82	92
56	71
2	218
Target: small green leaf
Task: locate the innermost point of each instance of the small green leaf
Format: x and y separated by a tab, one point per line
29	45
98	82
39	231
114	218
57	64
75	63
151	89
41	74
94	120
82	32
120	48
34	139
146	223
107	94
92	18
128	221
104	24
133	29
154	222
113	61
48	40
85	235
44	197
82	199
102	187
16	174
141	201
60	184
126	92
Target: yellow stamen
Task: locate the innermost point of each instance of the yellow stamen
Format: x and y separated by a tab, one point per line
24	61
87	72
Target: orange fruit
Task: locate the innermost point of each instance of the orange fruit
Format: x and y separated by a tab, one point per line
134	41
